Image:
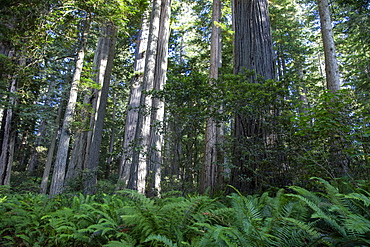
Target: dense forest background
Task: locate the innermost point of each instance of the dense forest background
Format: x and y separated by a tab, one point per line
82	111
184	123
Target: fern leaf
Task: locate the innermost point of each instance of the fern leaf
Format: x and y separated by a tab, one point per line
360	197
319	213
161	239
357	224
302	225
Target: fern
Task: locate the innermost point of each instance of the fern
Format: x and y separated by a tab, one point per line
348	220
161	239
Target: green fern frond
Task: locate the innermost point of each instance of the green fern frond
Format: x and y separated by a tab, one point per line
161	239
357	224
304	226
319	213
360	197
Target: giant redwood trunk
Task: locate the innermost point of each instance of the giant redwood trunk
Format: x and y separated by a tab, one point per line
157	113
252	52
132	114
148	137
139	169
59	172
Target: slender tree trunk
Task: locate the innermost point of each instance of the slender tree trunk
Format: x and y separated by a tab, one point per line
338	160
49	160
8	130
129	142
58	178
211	167
331	63
111	141
109	33
139	168
8	137
33	163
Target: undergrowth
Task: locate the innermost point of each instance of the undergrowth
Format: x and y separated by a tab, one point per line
338	214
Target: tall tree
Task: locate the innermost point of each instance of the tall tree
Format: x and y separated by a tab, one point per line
157	111
60	165
211	168
139	167
134	103
154	77
331	63
252	54
105	70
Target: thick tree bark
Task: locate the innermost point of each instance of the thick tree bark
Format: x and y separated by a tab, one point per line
252	52
211	167
253	42
58	178
139	169
157	113
107	56
151	112
132	114
331	63
81	147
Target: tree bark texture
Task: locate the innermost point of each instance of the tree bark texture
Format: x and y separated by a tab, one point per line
253	42
157	113
8	130
132	114
252	52
139	169
147	155
331	63
211	167
49	160
59	171
105	69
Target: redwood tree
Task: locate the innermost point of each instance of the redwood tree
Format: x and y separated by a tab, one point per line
253	55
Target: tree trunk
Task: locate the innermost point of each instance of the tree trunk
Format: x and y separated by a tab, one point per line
106	66
49	160
252	52
157	113
58	178
33	163
133	106
211	167
331	63
151	112
8	135
139	169
111	140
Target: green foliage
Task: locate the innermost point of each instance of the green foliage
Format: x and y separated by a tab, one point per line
343	218
330	139
336	216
